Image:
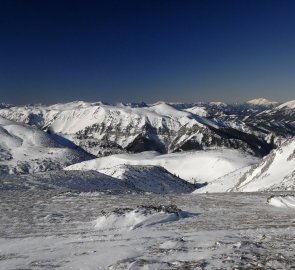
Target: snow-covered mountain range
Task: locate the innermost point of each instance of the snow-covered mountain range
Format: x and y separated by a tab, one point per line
103	129
211	143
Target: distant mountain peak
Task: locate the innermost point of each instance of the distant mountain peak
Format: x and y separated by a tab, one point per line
5	105
217	103
261	101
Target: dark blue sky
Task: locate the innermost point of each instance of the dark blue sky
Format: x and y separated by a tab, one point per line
56	51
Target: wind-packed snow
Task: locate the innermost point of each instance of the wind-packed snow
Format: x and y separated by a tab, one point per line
282	201
51	229
140	217
193	166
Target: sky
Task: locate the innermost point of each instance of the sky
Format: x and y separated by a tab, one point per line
146	50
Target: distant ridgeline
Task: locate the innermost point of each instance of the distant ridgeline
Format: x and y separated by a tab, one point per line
255	127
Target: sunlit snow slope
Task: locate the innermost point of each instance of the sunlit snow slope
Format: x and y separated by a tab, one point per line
274	172
25	149
203	166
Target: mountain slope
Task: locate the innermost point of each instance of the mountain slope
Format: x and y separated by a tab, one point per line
103	129
25	149
201	166
279	120
274	172
224	183
149	178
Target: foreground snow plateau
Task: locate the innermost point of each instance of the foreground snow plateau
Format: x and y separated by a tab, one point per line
49	229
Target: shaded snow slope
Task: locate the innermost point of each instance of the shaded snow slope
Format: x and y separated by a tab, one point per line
25	149
69	180
280	120
193	166
159	181
149	178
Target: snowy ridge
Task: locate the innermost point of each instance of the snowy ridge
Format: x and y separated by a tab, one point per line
224	183
274	172
149	178
25	149
280	115
194	166
103	129
287	105
197	110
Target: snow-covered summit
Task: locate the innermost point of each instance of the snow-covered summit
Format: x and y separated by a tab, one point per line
217	103
261	102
